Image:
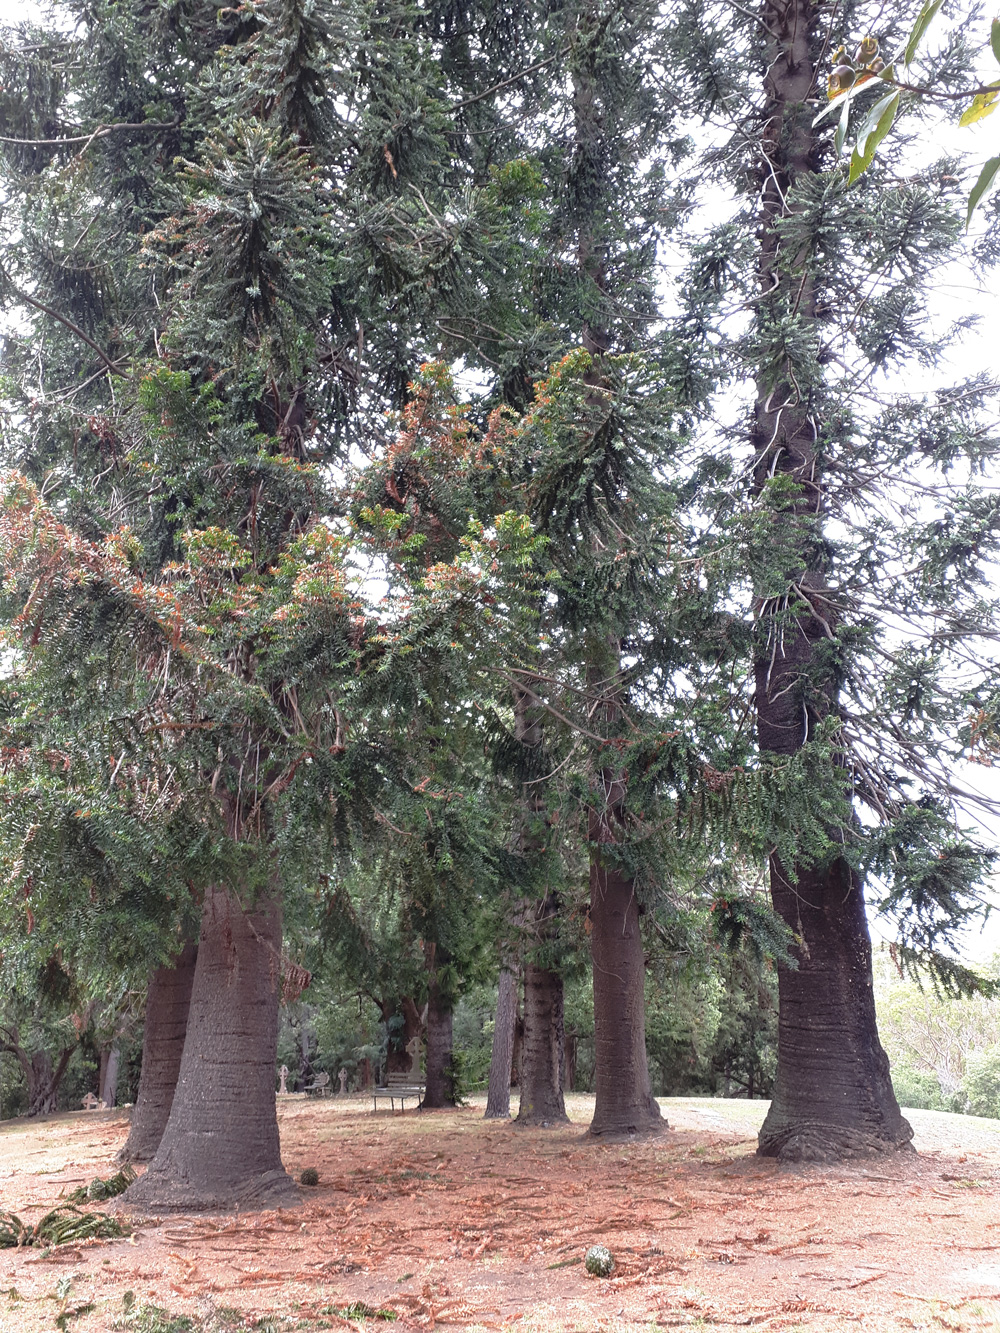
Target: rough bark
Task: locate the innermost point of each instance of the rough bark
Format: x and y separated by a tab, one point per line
167	1001
220	1148
624	1100
403	1054
515	1062
107	1081
833	1095
502	1054
541	1099
569	1061
44	1079
542	1052
40	1075
440	1087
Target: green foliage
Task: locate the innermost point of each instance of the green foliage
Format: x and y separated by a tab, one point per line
918	1089
934	877
598	1261
60	1226
359	1310
846	81
932	1037
144	1317
106	1188
284	606
749	922
980	1091
472	1029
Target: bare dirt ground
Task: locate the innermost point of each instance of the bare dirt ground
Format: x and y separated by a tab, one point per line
455	1222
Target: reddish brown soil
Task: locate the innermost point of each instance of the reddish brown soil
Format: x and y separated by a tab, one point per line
453	1221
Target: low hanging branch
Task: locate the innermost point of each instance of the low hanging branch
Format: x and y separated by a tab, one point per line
112	366
142	126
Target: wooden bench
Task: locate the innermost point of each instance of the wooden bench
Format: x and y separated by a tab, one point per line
400	1086
318	1086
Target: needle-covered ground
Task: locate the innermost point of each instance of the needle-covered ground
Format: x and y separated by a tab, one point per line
445	1219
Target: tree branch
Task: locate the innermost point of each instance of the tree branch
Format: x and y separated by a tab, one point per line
506	83
73	328
99	133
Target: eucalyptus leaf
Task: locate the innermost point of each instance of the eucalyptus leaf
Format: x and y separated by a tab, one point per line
919	28
986	179
841	133
871	121
874	130
983	105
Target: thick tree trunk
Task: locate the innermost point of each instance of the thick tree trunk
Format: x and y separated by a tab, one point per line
44	1079
833	1095
542	1052
542	1030
167	1001
41	1078
542	1049
220	1148
625	1104
502	1055
440	1087
403	1053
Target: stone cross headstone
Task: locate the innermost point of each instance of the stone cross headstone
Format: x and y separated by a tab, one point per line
343	1080
90	1102
283	1072
412	1049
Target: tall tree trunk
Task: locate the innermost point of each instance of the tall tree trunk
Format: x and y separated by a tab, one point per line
833	1095
107	1082
542	1052
625	1102
40	1076
440	1086
502	1055
167	1001
515	1060
43	1080
569	1061
220	1148
306	1071
542	1033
